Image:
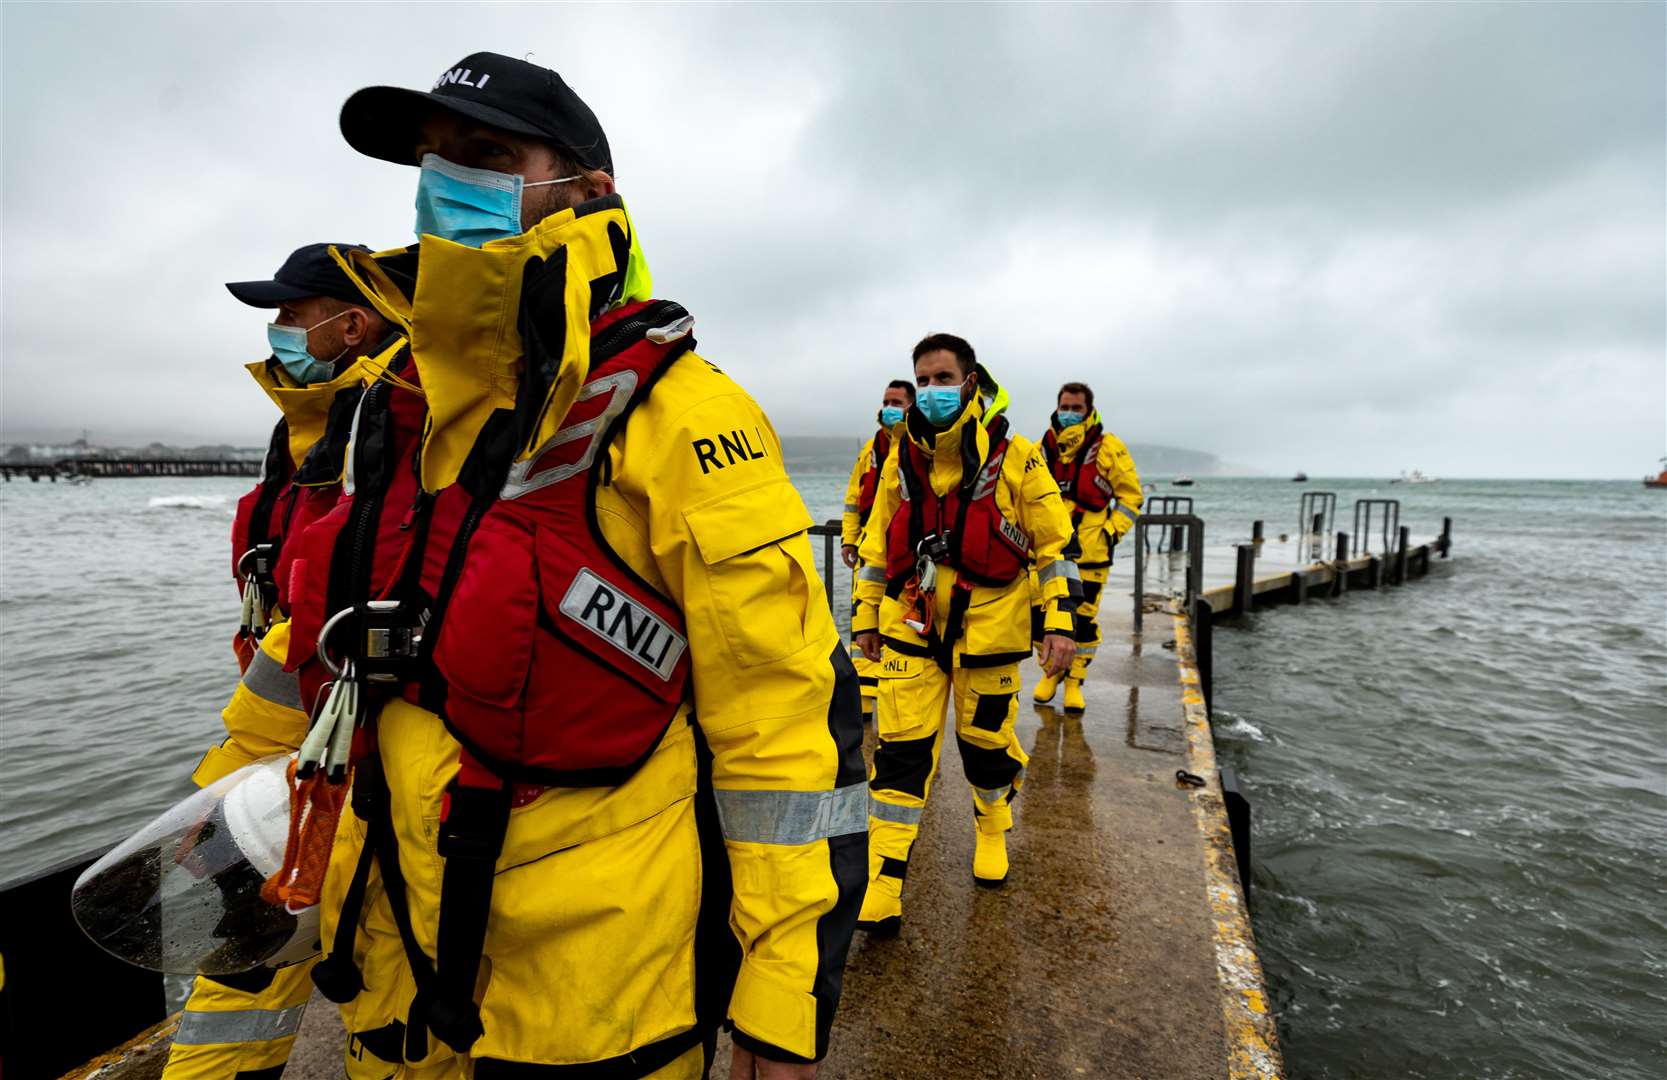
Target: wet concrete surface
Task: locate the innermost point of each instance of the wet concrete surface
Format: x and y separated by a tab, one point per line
1095	957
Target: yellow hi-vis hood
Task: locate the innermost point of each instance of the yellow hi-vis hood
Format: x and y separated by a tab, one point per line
464	323
305	408
1069	439
992	395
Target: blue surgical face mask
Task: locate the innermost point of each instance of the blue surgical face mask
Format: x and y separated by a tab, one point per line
289	345
470	206
1067	417
939	404
891	415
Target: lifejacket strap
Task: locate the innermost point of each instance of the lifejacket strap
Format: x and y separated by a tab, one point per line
471	839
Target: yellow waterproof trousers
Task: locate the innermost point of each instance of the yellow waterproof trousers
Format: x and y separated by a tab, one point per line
226	1032
914	697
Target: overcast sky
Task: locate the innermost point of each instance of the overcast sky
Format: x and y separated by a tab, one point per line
1342	238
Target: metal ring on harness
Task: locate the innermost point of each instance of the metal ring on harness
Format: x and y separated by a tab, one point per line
378	645
243	559
333	668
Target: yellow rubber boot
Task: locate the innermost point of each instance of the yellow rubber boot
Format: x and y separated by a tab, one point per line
1045	688
1074	701
882	907
989	857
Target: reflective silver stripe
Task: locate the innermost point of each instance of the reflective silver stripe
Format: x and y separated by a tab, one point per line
852	508
1064	568
266	678
992	796
871	573
901	815
1087	650
791	817
1071	570
238	1025
1127	511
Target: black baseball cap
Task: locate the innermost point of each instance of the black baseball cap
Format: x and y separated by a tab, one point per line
384	121
309	271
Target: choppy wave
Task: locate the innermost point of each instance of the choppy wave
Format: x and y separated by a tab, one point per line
188	502
1466	779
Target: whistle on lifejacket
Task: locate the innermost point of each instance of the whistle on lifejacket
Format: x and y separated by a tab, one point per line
329	741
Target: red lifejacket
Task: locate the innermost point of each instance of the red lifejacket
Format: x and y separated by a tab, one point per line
871	479
545	655
1079	479
982	545
561	665
253	523
282	504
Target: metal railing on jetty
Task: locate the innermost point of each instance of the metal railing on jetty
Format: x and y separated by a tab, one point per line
104	467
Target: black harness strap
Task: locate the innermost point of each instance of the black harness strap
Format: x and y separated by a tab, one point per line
471	839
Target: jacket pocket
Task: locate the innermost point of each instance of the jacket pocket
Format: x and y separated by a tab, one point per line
760	580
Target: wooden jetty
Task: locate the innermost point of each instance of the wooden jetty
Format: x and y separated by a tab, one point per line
109	467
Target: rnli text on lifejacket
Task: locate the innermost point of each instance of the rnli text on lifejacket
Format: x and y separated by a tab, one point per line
623	623
736	446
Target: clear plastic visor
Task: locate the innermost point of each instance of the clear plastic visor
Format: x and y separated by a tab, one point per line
182	895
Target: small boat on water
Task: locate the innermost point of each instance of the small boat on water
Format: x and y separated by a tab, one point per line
1413	477
1660	479
1300	478
1182	481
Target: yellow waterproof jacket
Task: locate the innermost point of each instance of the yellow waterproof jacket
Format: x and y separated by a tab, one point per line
614	908
1099	530
850	522
997	622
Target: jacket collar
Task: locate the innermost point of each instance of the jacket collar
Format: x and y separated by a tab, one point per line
306	409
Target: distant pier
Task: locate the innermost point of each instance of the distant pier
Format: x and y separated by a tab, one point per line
102	467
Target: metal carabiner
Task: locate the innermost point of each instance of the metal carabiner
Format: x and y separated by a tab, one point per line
331	666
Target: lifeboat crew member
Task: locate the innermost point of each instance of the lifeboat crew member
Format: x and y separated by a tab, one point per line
322	330
964	508
1102	491
859	502
608	795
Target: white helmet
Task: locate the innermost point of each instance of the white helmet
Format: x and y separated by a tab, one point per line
182	895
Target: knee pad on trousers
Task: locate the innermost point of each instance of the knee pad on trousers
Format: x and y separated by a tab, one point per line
903	765
986	767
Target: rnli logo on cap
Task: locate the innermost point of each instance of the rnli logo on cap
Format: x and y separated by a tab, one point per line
623	623
461	77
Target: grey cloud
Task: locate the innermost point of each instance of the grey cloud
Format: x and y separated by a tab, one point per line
1342	237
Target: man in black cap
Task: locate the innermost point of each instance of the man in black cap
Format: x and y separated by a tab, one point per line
492	114
321	317
243	1024
631	598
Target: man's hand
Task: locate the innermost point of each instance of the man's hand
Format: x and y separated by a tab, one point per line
745	1065
848	552
869	642
1056	653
